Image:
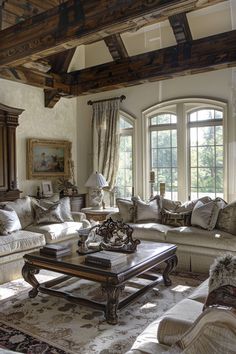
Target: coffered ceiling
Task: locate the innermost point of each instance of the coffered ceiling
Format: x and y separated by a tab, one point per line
73	47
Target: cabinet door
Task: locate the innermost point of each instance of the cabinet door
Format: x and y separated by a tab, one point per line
3	158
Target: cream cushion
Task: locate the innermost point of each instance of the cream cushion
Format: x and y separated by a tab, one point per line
24	210
147	212
205	215
126	209
227	219
194	236
9	221
150	231
20	241
200	293
57	232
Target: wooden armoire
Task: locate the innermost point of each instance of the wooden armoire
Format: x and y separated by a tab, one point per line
9	117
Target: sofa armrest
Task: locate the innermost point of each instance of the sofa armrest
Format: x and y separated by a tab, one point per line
78	216
172	329
114	216
81	217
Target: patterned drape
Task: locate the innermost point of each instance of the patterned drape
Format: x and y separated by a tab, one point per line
106	137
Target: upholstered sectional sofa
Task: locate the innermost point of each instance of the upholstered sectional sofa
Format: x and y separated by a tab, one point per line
27	224
203	323
202	229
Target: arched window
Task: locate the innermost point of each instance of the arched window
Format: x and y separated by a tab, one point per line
163	152
125	177
184	144
206	153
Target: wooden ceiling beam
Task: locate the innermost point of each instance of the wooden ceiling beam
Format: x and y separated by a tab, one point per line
116	47
60	62
51	97
37	79
180	27
202	55
80	22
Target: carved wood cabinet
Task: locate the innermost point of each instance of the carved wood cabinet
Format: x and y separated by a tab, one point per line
8	166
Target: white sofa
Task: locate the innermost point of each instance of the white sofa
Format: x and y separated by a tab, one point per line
31	236
204	323
196	247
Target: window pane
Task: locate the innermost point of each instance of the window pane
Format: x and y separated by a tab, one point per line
174	138
193	116
163	118
219	135
193	177
218	115
193	136
205	114
154	137
124	124
164	138
154	159
219	156
193	157
206	156
219	180
174	158
206	179
164	158
206	136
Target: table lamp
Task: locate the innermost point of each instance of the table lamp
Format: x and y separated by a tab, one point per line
96	182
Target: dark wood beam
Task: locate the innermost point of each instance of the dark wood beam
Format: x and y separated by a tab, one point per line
51	97
199	56
116	47
37	79
79	22
60	62
180	27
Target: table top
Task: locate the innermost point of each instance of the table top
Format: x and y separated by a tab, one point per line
100	211
147	255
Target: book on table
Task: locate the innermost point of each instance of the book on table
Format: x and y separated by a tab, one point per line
55	250
106	258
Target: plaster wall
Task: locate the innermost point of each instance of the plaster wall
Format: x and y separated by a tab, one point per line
217	85
38	122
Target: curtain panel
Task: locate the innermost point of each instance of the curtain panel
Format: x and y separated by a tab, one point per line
106	139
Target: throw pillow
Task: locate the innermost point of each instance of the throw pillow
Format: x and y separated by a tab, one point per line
169	204
227	219
147	212
205	215
9	221
176	219
64	205
52	214
126	209
189	205
24	210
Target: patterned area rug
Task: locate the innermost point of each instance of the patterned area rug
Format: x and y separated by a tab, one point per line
52	325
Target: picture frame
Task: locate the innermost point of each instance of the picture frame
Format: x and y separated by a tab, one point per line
47	188
48	159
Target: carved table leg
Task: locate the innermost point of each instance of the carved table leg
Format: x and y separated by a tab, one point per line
113	293
28	272
170	264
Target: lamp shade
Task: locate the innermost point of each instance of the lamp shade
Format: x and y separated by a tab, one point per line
96	180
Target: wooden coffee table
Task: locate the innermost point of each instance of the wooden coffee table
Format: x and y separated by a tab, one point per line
113	280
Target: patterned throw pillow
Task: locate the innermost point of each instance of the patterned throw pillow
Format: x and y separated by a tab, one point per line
9	221
64	205
52	214
227	219
205	215
147	212
126	209
24	210
176	219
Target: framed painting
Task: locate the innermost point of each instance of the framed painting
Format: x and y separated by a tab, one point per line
48	158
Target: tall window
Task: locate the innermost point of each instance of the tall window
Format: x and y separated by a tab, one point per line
185	147
206	153
163	156
125	176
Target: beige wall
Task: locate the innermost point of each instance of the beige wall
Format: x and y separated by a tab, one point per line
217	85
38	122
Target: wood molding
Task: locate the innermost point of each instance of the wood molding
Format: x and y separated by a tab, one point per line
202	55
79	22
51	97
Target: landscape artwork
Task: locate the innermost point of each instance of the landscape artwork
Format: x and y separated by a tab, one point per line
48	158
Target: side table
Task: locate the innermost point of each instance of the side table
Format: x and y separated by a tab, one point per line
98	214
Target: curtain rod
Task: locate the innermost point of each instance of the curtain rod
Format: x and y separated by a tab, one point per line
121	98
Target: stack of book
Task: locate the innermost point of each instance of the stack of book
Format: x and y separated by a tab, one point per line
55	250
106	258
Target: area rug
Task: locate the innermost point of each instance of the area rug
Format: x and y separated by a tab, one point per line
56	326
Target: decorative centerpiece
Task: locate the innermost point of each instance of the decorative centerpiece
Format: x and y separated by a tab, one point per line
111	236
